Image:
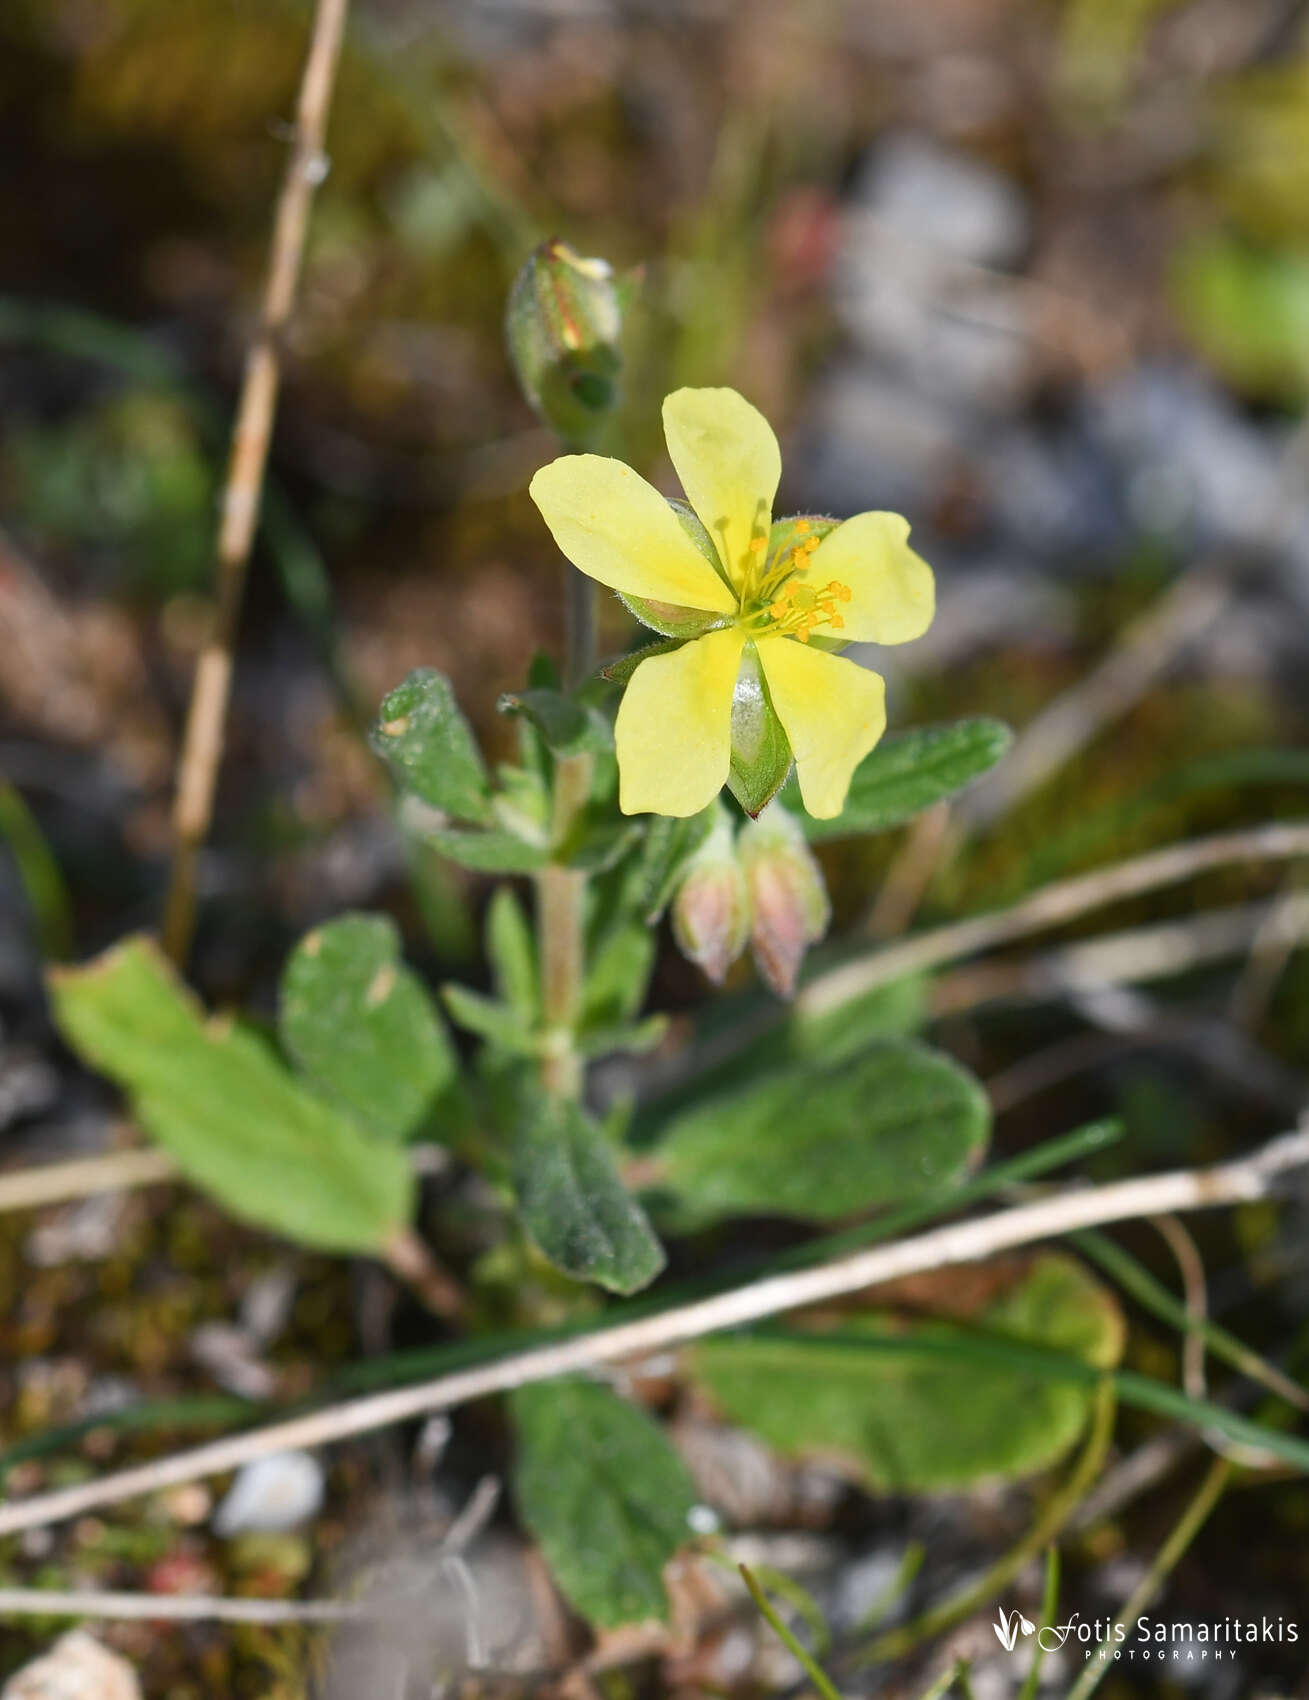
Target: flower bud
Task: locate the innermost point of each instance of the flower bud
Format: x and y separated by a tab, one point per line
788	898
711	911
563	324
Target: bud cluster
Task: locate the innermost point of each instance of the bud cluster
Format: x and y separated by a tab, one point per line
759	885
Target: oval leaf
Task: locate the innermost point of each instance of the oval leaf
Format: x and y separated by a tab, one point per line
361	1027
575	1206
907	1421
818	1142
237	1122
905	775
604	1493
424	739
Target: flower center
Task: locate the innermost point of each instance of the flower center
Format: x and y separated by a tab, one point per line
798	609
777	601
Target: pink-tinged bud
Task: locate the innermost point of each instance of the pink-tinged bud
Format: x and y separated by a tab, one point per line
711	912
788	898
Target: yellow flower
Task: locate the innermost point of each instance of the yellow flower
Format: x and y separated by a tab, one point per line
757	599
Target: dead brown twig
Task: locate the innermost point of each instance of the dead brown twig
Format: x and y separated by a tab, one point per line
202	745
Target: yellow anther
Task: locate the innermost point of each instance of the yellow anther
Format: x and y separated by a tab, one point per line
836	622
757	544
801	527
803	634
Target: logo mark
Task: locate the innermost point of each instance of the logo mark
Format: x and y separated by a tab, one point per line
1007	1629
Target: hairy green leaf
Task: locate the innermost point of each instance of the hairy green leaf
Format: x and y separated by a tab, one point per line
511	950
907	774
605	1495
574	1204
491	852
361	1027
423	737
569	728
819	1142
501	1024
669	845
238	1123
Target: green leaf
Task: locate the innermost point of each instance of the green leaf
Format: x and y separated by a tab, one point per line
488	852
669	845
818	1142
499	1023
511	950
598	842
573	1203
905	775
361	1027
607	1498
913	1422
617	974
429	746
237	1122
569	728
741	1039
632	1037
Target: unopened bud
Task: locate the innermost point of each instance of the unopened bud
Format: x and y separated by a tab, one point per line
563	324
711	911
788	898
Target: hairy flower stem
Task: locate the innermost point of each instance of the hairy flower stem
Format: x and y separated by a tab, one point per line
579	629
560	893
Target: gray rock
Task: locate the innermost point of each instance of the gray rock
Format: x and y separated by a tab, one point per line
871	440
911	281
1196	469
943	199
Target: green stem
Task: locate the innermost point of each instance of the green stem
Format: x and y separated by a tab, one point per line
579	629
1049	1606
817	1675
38	871
1192	1521
561	893
1042	1532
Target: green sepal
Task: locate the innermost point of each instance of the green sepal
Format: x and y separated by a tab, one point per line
620	671
761	750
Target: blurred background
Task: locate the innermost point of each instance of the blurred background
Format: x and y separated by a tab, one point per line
1034	273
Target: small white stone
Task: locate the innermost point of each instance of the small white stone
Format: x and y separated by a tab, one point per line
271	1495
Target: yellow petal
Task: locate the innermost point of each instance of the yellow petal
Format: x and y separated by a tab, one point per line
729	463
893	593
618	529
674	727
833	712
